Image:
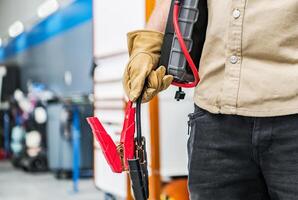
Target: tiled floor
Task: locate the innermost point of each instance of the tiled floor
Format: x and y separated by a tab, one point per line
18	185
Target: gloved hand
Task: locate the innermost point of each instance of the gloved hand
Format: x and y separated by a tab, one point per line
141	72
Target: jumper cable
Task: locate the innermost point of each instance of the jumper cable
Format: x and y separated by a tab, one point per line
183	47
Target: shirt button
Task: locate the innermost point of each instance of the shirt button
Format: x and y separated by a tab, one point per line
236	13
234	59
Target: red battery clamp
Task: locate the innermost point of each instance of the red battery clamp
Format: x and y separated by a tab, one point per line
130	155
116	155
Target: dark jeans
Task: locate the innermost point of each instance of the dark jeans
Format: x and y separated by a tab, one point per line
242	158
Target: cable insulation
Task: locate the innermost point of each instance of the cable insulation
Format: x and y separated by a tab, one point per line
184	49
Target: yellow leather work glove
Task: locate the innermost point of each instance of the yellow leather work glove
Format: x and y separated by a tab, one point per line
141	71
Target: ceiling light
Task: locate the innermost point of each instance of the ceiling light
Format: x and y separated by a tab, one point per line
47	8
16	29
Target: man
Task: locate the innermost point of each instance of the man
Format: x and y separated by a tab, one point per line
244	139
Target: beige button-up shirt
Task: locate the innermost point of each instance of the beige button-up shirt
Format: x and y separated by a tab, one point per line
249	64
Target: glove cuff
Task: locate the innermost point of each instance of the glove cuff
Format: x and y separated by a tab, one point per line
146	41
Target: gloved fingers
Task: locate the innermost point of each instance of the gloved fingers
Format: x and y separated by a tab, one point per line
133	92
136	87
148	95
154	83
161	72
132	88
166	82
135	75
151	88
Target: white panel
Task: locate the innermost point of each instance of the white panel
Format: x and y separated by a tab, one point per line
108	77
110	116
116	104
112	20
111	68
173	132
112	90
105	179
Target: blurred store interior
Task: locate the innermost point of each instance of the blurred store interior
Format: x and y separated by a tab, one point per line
62	61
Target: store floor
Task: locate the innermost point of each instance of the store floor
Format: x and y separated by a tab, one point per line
18	185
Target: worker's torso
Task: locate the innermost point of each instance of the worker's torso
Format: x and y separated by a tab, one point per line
249	64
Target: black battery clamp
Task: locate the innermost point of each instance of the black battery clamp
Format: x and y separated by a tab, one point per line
183	42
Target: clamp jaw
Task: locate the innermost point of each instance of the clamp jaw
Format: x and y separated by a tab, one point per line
130	155
117	155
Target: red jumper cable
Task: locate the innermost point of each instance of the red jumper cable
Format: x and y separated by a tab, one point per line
183	47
